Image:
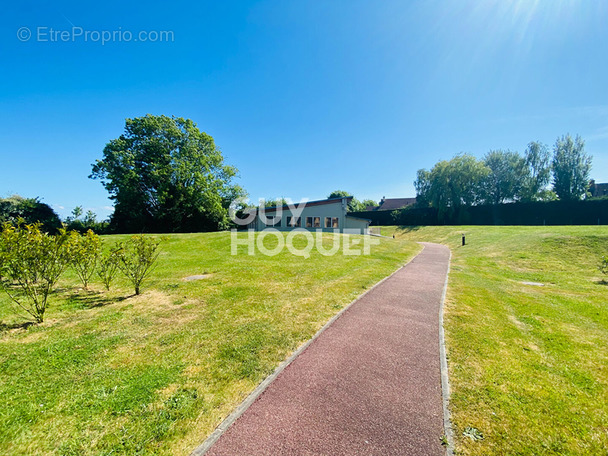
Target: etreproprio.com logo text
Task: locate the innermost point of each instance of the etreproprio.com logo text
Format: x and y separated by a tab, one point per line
75	34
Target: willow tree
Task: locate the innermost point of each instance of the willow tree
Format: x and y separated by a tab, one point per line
451	184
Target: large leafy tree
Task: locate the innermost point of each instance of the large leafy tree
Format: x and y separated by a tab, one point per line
571	167
454	183
538	175
466	175
506	176
164	174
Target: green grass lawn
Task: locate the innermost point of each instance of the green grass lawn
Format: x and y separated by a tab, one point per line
528	364
111	373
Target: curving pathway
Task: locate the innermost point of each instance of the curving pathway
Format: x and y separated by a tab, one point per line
369	384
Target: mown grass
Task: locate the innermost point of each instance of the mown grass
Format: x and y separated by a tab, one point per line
112	373
528	364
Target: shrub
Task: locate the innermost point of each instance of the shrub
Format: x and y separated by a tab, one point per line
108	267
31	262
603	266
136	258
83	252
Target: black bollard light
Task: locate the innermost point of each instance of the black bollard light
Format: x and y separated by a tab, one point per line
463	240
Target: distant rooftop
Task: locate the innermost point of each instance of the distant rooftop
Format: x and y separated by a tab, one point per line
391	204
598	189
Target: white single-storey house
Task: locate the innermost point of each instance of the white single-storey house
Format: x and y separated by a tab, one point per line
326	215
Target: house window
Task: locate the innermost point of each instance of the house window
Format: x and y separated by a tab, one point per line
335	223
316	222
293	221
308	222
273	220
327	222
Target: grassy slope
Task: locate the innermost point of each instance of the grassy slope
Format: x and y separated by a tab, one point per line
528	364
112	374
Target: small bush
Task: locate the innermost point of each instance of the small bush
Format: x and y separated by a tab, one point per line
83	253
108	267
31	262
136	258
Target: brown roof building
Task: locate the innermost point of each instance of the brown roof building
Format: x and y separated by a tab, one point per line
391	204
598	190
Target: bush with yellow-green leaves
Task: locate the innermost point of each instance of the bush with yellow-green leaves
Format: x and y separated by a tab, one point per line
32	261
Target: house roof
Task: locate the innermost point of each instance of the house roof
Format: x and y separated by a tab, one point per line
312	203
390	204
599	189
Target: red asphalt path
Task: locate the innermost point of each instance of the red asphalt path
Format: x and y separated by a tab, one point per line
370	384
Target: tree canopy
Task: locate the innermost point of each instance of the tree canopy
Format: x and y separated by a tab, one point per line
31	210
538	174
505	177
454	183
571	168
275	202
76	222
369	203
164	174
354	206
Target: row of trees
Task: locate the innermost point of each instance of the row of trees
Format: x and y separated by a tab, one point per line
506	176
32	261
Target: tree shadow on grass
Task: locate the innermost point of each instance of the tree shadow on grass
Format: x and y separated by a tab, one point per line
602	282
409	228
89	299
10	326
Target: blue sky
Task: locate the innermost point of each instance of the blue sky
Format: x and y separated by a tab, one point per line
303	97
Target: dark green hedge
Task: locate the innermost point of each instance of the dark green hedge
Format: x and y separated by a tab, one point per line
590	212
